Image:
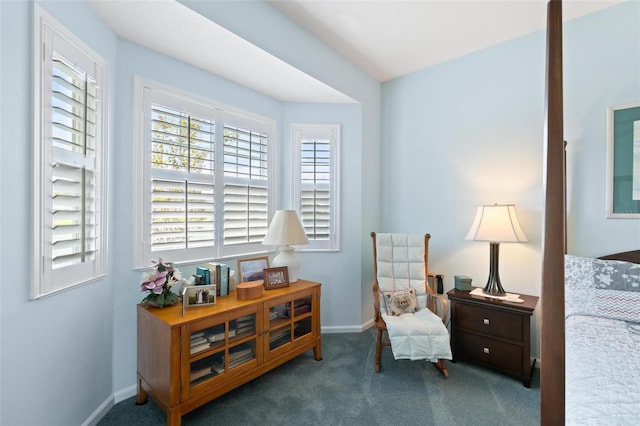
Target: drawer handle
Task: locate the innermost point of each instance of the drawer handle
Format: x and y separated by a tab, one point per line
485	350
485	321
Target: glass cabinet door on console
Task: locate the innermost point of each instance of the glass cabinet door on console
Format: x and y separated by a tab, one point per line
288	322
218	346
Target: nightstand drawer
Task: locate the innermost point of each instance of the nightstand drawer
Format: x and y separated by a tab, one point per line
489	321
495	353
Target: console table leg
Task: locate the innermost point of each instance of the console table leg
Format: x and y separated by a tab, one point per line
174	418
142	394
317	352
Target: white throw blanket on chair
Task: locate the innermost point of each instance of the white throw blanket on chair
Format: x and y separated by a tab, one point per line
420	335
401	266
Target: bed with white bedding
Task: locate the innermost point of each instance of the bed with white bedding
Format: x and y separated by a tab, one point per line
602	342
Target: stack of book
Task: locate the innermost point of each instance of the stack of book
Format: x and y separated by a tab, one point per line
299	309
244	325
207	367
213	336
199	342
238	356
279	337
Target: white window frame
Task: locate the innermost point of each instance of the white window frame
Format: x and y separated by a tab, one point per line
147	92
51	36
330	132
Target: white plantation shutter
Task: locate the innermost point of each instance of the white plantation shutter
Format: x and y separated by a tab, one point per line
315	184
69	189
168	211
182	190
73	199
204	193
73	225
74	116
246	171
181	141
200	218
182	215
316	148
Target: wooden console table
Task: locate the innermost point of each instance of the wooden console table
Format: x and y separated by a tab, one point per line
187	361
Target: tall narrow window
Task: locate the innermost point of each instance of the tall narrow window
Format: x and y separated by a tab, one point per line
316	182
203	191
69	160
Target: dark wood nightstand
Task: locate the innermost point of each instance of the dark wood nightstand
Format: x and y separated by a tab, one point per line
493	333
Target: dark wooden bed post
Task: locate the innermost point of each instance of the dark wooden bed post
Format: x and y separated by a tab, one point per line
552	321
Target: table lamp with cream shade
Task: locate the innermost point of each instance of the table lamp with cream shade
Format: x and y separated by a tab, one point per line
496	224
286	230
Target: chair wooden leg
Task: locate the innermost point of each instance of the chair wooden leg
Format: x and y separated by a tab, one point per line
439	364
378	350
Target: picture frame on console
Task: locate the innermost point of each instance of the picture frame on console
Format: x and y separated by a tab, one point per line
250	269
623	162
198	295
276	277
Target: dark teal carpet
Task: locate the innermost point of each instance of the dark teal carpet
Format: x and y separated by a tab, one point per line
343	389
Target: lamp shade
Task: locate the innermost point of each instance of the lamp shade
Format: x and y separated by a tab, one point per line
285	229
496	223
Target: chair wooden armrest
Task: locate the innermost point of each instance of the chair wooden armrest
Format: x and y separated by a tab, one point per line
434	299
443	312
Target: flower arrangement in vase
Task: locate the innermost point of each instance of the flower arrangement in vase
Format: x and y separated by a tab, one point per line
158	283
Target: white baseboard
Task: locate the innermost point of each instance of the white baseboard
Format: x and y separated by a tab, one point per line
346	328
367	325
108	404
125	393
100	412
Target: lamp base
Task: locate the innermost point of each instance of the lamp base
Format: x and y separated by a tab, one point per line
494	287
287	257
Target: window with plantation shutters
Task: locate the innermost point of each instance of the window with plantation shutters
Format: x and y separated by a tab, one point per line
316	167
69	160
246	174
204	189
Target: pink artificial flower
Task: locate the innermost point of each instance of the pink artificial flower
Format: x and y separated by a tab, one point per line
154	282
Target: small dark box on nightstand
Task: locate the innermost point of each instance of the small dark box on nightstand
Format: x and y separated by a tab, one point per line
462	282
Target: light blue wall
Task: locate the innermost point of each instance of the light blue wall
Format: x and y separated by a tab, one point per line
336	271
602	69
459	135
462	134
471	131
56	366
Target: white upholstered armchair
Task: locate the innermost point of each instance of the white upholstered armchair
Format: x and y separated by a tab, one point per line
406	307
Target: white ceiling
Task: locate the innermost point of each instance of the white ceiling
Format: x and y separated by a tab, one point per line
385	38
392	38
